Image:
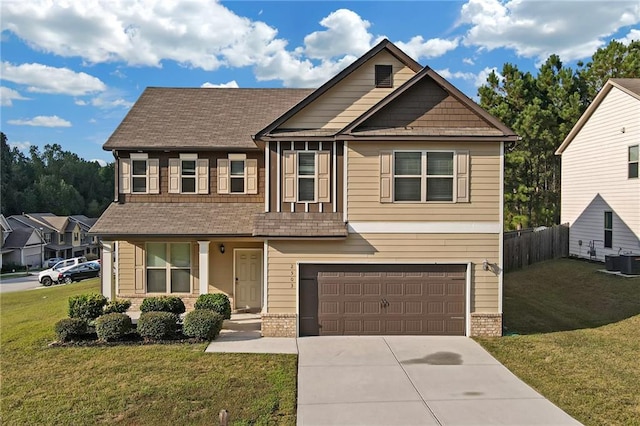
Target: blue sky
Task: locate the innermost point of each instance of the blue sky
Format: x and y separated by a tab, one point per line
72	69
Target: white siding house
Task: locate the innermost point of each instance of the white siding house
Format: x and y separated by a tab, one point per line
600	183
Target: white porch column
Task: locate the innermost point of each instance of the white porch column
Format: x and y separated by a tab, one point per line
204	266
107	270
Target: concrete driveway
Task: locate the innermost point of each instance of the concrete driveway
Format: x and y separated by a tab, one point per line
412	380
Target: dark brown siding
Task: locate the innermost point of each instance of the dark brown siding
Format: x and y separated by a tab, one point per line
212	196
382	299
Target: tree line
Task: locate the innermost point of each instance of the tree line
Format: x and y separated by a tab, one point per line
542	109
53	181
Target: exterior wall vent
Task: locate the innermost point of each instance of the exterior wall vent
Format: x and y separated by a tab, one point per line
384	76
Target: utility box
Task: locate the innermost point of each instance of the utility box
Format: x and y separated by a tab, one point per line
630	264
612	262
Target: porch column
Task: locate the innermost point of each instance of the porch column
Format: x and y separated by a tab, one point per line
204	266
107	270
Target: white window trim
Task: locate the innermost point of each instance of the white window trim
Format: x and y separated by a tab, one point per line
194	176
168	267
244	174
424	176
145	158
629	162
313	177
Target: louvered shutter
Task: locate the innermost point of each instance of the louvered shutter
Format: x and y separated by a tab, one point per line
154	175
386	176
174	175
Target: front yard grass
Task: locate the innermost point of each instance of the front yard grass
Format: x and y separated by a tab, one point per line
578	341
142	385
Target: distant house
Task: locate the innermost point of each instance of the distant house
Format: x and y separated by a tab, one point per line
20	245
600	183
62	236
372	205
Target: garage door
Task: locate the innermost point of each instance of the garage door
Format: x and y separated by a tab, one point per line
382	299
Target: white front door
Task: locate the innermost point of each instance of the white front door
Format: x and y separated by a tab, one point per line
248	285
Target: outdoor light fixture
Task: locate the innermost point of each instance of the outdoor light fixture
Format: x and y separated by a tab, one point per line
221	248
485	265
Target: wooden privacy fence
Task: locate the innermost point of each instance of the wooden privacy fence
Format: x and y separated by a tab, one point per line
526	247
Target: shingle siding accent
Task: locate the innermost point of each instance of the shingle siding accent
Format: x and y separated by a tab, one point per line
297	225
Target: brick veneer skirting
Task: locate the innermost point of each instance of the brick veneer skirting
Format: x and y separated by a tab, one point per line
279	325
486	325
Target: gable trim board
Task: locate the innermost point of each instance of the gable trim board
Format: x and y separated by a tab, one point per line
424	227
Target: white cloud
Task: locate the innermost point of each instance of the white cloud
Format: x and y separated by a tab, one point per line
633	35
7	96
42	121
81	102
478	79
346	34
481	78
537	29
418	48
230	84
468	61
45	79
107	101
21	146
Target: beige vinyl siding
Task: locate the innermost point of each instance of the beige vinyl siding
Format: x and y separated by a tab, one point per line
351	97
363	185
221	265
382	248
594	178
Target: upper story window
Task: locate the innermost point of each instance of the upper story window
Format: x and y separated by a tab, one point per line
139	174
633	161
424	176
188	174
608	229
306	177
237	174
60	238
384	76
76	236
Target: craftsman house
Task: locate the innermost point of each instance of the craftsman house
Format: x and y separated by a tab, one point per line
371	205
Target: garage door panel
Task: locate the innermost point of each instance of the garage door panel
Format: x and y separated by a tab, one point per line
388	299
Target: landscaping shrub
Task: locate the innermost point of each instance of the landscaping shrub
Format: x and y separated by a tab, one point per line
217	302
117	306
157	325
69	328
113	326
202	324
86	306
171	304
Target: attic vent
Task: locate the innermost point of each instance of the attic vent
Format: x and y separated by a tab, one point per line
384	76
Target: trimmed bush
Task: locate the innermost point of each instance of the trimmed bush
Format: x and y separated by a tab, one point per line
217	302
113	326
202	324
157	325
119	306
69	328
86	306
171	304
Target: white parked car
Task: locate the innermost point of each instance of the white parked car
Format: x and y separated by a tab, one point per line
50	276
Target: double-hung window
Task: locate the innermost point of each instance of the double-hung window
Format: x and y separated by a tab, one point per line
421	176
188	174
168	267
237	174
608	229
306	176
634	154
139	174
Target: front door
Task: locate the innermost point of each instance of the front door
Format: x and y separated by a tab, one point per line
248	285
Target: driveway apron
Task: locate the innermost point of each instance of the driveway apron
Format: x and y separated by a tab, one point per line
412	380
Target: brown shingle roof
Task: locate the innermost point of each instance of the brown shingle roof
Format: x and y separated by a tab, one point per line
300	225
201	118
176	219
631	84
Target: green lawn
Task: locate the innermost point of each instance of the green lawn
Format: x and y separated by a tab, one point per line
142	385
579	339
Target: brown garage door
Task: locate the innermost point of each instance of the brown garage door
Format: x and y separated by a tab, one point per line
382	299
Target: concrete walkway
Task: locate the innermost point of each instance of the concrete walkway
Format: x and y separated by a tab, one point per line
397	380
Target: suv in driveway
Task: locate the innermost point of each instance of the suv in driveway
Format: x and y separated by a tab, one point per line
50	276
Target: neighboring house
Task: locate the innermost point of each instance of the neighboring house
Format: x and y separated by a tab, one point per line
22	246
64	236
372	205
600	183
